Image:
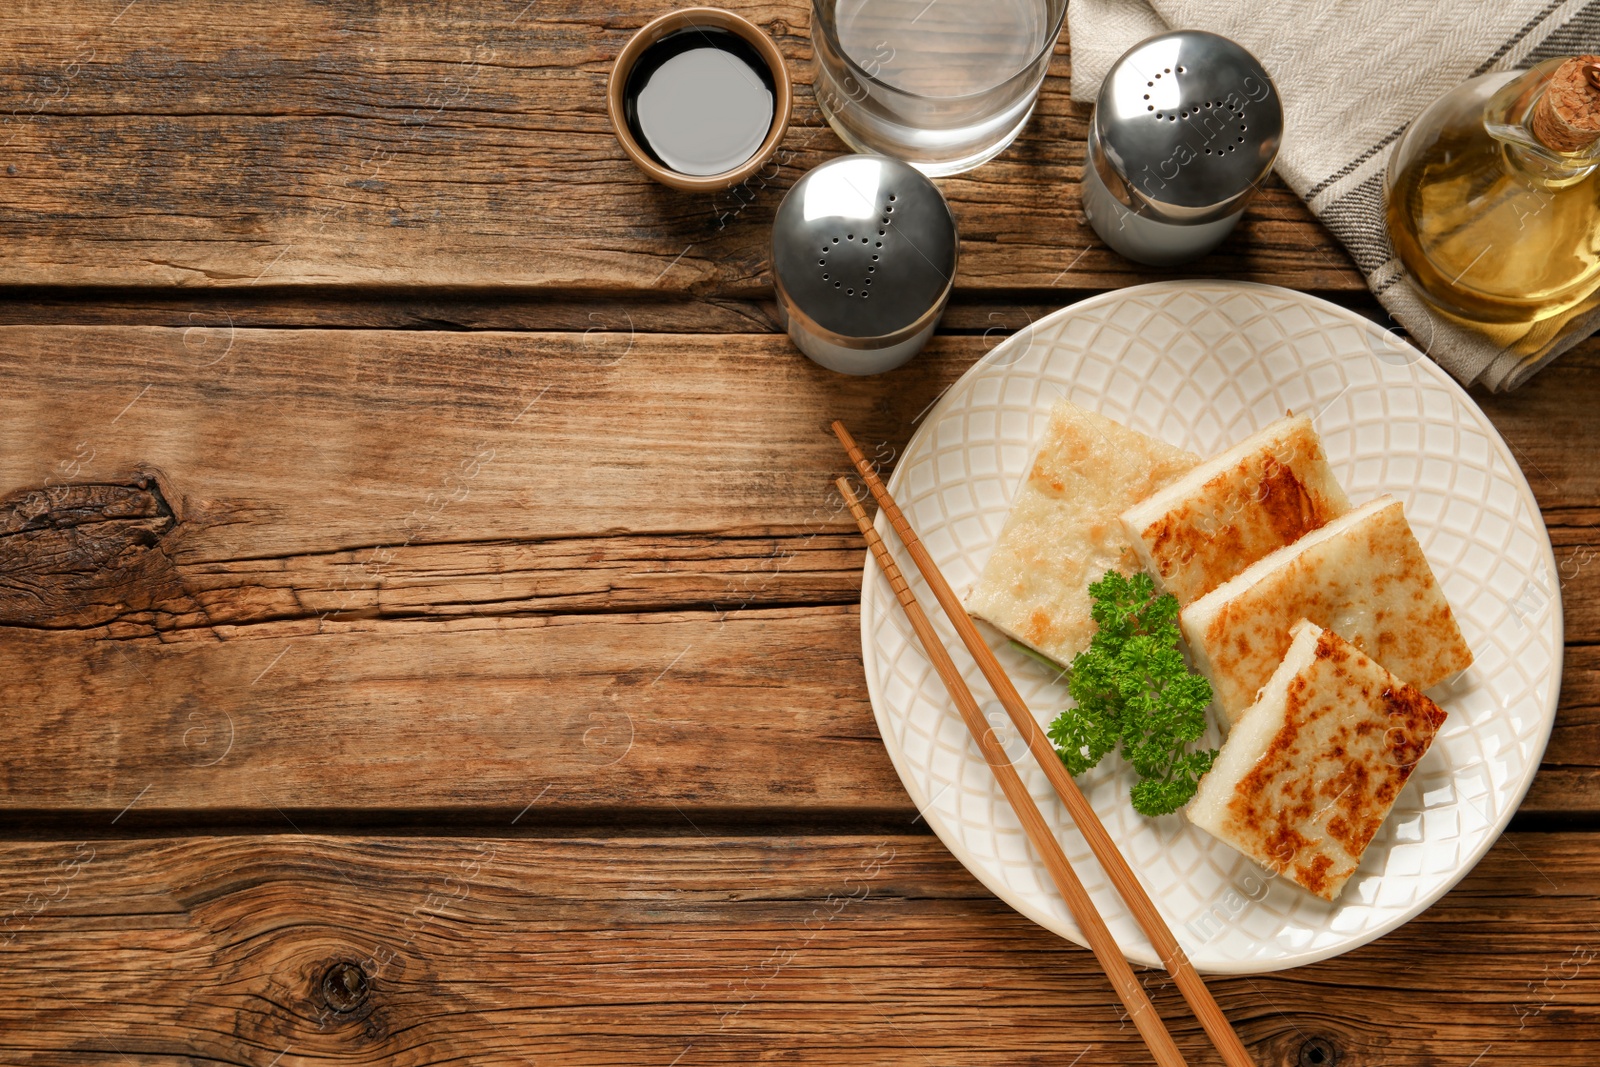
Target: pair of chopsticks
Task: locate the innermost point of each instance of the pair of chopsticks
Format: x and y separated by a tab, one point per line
1101	943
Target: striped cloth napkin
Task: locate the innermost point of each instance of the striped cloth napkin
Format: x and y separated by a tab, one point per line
1352	75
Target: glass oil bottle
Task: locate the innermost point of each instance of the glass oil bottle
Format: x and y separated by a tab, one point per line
1493	203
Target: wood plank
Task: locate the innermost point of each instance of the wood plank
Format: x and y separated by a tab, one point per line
755	709
330	497
401	143
271	442
866	950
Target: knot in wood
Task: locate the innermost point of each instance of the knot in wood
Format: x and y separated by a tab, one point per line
1318	1052
345	986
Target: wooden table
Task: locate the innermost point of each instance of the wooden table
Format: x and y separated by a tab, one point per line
428	632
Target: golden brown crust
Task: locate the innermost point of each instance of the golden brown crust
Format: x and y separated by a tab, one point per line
1351	733
1278	490
1285	506
1371	583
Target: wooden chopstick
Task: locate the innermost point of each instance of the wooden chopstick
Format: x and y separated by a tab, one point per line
1173	958
1104	946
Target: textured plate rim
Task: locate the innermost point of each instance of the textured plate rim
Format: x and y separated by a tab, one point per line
935	820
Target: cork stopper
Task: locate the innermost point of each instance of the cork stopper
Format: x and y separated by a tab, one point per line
1567	116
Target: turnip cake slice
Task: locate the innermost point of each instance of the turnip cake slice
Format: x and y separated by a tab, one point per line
1313	768
1265	492
1363	575
1063	532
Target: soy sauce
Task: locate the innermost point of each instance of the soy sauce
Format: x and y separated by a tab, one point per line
700	100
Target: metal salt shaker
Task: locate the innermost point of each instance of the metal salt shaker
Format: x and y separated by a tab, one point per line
1186	127
863	260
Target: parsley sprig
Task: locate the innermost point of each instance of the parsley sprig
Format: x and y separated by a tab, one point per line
1133	688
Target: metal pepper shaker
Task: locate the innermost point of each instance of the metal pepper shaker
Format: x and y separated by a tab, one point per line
863	261
1186	127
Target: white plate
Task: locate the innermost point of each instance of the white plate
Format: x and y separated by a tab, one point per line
1203	364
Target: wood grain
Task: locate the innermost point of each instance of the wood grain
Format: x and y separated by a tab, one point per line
402	143
323	506
869	950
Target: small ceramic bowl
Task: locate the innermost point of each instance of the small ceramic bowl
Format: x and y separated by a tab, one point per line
703	18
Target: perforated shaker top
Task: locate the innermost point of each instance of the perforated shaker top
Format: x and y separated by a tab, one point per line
864	248
1190	121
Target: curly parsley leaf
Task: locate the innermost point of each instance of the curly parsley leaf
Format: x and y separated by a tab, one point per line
1133	689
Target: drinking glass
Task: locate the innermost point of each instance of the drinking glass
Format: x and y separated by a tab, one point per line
942	84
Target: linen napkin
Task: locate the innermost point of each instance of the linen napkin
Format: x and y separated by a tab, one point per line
1352	74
